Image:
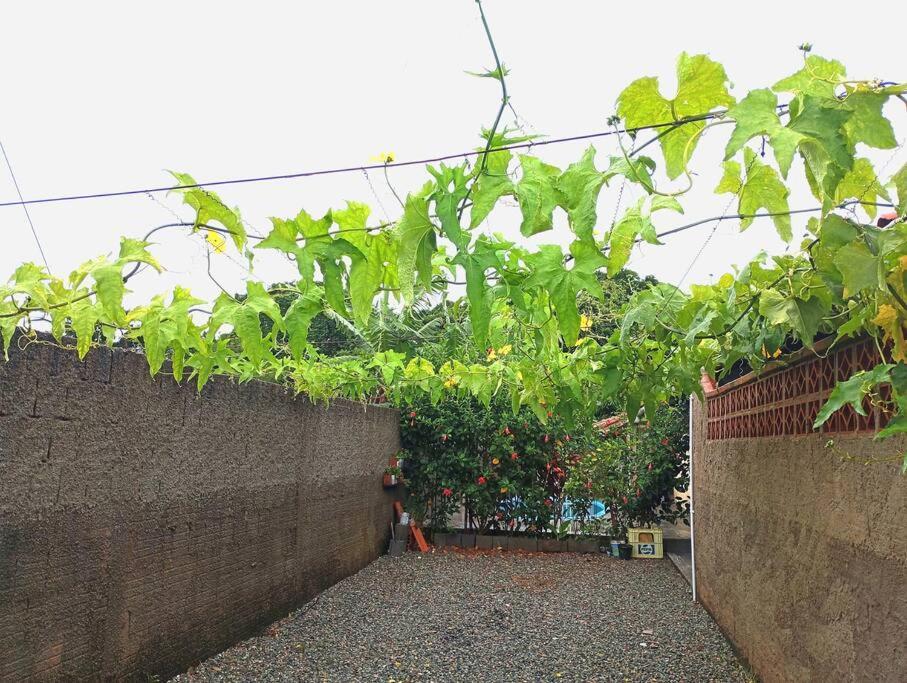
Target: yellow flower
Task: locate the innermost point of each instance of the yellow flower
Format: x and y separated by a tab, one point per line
903	262
503	489
887	315
216	240
451	382
585	323
384	158
766	354
496	461
504	350
492	354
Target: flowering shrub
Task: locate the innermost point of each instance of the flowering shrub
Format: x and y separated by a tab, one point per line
636	470
508	471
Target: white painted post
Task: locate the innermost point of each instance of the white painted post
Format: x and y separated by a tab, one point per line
692	501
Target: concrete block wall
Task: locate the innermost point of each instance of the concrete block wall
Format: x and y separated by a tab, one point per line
144	527
801	556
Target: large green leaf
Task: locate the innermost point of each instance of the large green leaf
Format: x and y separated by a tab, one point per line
367	264
209	207
299	317
449	192
414	231
836	231
490	185
861	183
899	180
859	267
701	87
483	256
136	251
110	289
579	187
258	299
818	77
538	195
755	115
637	169
247	327
84	317
852	391
282	237
635	223
549	273
760	189
867	124
824	145
804	316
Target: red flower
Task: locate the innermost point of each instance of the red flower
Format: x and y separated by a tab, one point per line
444	437
506	431
481	480
566	437
548	503
589	485
664	442
625	500
412	414
650	466
546	438
550	413
447	493
514	456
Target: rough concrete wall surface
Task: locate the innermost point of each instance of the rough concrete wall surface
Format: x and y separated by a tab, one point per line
802	557
144	526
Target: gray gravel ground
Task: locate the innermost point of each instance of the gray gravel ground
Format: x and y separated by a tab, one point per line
449	616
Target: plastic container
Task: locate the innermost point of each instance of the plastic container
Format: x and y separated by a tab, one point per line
646	543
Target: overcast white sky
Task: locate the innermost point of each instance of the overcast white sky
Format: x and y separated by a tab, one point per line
106	95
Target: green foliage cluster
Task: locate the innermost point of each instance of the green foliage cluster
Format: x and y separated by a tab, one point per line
636	469
847	279
508	471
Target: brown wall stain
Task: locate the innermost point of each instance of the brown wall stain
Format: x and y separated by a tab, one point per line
144	527
802	557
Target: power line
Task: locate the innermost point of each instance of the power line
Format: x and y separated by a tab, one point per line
370	167
24	207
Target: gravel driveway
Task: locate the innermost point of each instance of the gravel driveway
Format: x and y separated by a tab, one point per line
452	616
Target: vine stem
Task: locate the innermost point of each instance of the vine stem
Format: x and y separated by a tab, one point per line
505	98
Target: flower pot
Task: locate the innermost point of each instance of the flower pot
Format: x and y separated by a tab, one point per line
523	543
626	551
614	548
550	545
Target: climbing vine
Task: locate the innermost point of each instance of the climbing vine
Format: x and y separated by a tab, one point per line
529	341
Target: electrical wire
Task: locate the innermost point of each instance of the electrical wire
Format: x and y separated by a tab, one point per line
25	207
370	167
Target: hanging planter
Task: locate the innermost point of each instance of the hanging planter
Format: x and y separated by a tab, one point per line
393	474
